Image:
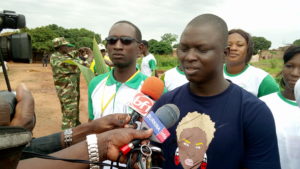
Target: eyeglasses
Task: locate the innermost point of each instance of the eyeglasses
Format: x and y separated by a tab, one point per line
111	40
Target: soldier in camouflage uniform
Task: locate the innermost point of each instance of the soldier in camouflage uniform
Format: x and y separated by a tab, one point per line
67	79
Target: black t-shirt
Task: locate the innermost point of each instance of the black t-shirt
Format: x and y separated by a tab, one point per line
245	135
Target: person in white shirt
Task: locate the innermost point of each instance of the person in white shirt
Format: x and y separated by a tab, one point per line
238	70
148	65
174	78
110	93
286	111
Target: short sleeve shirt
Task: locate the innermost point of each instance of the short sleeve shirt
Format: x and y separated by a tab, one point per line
245	135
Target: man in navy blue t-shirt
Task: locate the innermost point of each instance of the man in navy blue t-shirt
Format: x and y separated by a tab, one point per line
244	134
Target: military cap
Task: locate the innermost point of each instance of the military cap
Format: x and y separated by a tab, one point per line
61	41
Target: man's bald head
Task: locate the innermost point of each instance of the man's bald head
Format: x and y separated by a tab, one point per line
215	22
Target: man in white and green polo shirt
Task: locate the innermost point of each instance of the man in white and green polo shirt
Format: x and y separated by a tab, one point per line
148	65
111	92
109	96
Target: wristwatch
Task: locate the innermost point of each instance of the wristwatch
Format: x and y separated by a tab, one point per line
91	141
68	133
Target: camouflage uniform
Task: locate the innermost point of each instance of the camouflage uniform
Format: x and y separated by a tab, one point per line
66	80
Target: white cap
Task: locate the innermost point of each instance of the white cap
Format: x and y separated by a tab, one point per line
101	46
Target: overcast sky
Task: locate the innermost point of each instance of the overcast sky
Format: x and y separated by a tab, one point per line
276	20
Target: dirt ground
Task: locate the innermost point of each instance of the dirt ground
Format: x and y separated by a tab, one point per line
47	107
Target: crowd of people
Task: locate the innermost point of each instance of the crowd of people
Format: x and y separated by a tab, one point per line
232	115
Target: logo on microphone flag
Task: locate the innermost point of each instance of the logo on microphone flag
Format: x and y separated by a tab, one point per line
159	130
141	104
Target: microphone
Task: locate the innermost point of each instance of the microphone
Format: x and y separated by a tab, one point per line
153	87
165	117
142	102
297	92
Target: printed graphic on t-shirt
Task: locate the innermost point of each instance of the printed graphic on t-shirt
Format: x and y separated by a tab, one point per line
203	164
194	134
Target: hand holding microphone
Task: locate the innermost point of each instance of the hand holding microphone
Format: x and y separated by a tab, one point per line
110	141
165	117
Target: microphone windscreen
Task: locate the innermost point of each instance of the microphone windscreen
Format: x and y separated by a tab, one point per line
297	92
168	114
153	87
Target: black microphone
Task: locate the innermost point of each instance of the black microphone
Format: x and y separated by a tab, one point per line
165	117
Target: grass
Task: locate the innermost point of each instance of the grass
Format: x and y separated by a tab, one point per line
272	66
164	62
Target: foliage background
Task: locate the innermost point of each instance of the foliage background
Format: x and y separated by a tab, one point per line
297	42
260	43
41	38
162	49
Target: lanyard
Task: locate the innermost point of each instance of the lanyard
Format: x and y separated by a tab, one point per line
104	106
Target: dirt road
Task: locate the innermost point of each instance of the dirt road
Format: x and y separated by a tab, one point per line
47	107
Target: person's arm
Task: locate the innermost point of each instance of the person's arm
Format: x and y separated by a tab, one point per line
87	54
100	125
73	152
24	117
267	86
152	65
109	144
55	142
261	149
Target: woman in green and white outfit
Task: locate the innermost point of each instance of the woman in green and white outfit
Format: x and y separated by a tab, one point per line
286	112
239	71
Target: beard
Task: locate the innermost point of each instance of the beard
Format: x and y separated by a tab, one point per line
121	65
125	64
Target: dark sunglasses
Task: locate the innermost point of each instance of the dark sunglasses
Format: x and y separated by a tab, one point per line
111	40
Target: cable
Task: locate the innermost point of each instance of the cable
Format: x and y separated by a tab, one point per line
118	159
130	161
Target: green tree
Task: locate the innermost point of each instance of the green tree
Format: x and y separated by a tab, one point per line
260	43
297	42
161	48
41	37
152	45
169	38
